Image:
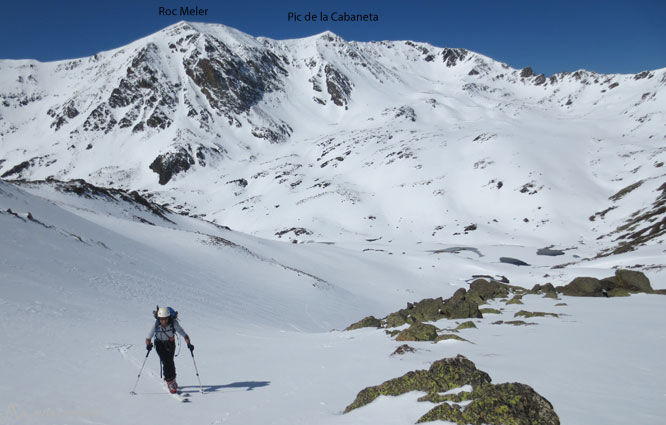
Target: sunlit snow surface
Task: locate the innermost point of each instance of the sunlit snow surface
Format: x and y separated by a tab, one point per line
80	279
426	177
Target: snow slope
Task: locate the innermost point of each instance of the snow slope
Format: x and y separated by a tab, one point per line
408	141
81	274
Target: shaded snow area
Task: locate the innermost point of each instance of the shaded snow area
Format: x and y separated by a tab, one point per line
81	273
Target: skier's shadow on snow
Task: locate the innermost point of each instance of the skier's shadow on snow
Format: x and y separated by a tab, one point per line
247	386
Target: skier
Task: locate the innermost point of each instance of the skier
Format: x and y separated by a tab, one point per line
164	331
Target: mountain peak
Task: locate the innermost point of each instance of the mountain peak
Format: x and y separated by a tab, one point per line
329	124
221	32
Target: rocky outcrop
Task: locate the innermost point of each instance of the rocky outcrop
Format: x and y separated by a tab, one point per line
338	85
548	290
623	283
464	304
451	57
171	163
368	322
481	290
643	226
461	306
510	403
418	332
144	96
233	84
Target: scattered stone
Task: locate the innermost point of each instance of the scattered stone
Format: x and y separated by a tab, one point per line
466	325
403	349
447	337
514	323
514	261
517	299
470	228
530	314
490	311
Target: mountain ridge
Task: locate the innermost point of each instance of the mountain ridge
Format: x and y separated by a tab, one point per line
266	135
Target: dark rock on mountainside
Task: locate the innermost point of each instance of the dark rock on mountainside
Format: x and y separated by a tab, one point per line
233	84
403	349
642	226
62	114
451	57
502	404
527	72
145	97
338	85
86	190
169	164
17	169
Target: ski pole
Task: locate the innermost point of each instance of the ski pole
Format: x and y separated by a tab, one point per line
140	370
191	347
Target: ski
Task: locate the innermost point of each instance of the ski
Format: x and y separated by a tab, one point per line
183	398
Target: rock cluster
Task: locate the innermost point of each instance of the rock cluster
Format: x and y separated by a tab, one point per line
624	283
464	304
510	403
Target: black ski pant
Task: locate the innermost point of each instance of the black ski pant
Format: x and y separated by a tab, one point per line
166	350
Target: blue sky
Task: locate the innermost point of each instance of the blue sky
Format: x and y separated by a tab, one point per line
612	36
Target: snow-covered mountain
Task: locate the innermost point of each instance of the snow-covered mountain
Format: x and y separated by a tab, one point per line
175	170
401	140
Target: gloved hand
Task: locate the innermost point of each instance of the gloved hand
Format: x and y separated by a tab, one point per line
149	346
191	347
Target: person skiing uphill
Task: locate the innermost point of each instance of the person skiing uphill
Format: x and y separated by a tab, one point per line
164	330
